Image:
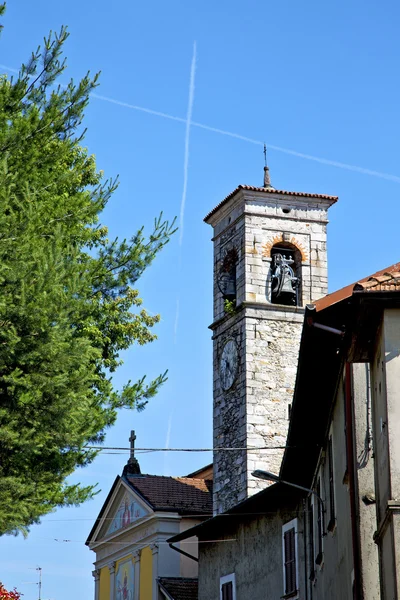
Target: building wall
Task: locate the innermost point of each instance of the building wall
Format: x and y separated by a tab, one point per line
254	555
146	574
380	418
385	383
229	424
104	593
188	567
272	346
334	576
365	480
254	412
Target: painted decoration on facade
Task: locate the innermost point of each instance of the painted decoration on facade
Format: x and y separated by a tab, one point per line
124	581
128	511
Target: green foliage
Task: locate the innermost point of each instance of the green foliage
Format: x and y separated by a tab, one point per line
230	306
68	301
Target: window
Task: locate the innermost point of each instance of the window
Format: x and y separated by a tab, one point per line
227	591
289	543
227	587
226	277
331	523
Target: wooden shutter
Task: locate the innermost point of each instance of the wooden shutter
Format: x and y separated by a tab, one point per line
227	590
289	538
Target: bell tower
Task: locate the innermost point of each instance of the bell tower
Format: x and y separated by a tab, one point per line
270	260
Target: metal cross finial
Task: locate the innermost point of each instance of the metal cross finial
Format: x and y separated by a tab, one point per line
132	466
267	179
132	441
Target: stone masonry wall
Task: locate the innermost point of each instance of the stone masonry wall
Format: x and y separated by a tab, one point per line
272	346
229	430
254	412
262	233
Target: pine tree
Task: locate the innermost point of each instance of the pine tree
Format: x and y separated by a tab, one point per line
68	297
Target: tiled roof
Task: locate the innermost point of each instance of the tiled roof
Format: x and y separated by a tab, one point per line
179	588
386	282
252	188
347	291
203	473
185	495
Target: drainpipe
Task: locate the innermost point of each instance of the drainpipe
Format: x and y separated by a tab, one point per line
358	595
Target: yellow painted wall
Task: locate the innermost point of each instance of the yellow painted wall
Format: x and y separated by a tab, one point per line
146	574
104	584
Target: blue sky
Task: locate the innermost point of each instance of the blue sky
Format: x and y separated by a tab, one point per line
318	79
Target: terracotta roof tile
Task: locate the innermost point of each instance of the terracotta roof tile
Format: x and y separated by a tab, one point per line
252	188
347	291
385	282
179	588
185	495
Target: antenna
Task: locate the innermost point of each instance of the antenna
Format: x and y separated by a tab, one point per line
40	582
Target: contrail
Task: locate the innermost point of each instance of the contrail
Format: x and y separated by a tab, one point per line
187	137
167	441
339	165
318	159
168	438
139	108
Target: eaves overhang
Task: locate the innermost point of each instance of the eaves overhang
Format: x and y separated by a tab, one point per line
274	497
102	511
338	328
270	192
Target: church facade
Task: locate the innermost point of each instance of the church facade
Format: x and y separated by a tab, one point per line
134	561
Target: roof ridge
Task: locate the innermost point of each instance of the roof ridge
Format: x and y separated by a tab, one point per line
143	475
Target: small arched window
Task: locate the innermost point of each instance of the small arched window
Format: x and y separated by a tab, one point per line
285	274
227	275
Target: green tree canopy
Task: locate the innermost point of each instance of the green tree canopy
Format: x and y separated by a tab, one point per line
68	297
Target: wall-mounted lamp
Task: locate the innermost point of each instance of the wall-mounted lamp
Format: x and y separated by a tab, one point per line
266	476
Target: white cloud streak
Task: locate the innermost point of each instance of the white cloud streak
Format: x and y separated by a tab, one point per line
187	139
318	159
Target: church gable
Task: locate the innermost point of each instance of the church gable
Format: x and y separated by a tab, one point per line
122	509
128	510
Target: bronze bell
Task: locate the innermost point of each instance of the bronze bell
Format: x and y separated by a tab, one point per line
287	287
227	284
230	289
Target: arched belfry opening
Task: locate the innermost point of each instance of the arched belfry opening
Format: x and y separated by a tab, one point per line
285	274
227	275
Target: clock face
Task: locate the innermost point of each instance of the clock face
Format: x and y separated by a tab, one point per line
228	364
